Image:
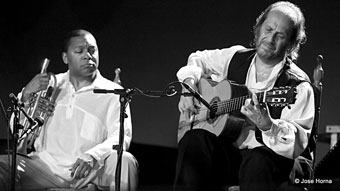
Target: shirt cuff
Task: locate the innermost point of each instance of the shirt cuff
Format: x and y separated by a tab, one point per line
270	130
88	159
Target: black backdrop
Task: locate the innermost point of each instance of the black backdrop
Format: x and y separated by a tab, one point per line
150	40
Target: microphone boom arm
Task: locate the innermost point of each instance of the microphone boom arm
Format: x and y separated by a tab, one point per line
196	95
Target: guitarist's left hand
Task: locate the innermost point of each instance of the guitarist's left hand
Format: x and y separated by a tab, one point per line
257	115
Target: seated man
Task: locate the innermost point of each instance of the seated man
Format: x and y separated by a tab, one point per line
74	146
256	147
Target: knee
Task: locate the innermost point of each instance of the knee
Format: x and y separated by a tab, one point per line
128	160
261	154
197	140
129	171
258	155
257	159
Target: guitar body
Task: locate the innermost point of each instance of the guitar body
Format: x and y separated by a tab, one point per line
210	120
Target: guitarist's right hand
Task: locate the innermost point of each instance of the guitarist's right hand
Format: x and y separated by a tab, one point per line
188	103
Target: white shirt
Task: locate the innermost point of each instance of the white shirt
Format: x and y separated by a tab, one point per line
82	122
288	135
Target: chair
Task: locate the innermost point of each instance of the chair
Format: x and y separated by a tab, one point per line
304	165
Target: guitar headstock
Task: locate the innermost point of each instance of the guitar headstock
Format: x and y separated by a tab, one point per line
281	96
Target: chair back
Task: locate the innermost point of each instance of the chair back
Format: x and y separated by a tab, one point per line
318	74
304	166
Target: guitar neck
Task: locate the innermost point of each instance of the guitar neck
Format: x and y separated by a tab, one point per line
235	104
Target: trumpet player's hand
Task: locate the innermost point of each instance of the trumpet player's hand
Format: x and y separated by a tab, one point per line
82	167
38	83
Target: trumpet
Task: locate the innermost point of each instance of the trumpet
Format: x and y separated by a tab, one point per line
37	108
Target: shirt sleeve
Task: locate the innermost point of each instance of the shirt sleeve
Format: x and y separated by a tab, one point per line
102	150
289	135
208	63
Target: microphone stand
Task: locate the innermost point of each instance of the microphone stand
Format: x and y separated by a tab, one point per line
9	135
17	107
16	127
195	94
125	98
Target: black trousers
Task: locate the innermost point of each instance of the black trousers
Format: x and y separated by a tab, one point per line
207	162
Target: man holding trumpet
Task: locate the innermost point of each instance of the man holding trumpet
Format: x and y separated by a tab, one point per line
74	146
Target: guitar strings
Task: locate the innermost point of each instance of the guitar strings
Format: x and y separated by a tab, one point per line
236	102
227	106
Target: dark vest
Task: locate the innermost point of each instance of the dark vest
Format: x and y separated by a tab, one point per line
238	69
237	73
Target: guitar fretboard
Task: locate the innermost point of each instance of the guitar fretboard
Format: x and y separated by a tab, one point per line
233	104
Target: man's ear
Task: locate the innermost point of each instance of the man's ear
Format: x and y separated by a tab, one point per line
64	57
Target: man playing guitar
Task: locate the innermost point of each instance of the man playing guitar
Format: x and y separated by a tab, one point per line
257	145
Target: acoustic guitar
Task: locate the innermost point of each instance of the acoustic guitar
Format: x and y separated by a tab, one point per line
224	98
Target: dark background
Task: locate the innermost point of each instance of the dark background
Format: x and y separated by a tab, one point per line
150	40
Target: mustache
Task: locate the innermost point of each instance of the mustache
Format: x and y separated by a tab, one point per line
270	45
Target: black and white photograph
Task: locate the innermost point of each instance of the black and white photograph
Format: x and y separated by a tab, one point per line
170	95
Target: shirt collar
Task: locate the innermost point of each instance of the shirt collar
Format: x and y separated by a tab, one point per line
98	82
267	84
276	70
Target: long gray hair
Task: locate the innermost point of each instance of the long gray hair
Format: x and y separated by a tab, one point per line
298	35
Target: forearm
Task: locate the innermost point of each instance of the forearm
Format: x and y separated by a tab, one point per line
208	63
101	151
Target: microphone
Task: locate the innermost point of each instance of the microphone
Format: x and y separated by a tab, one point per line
32	121
15	100
38	122
196	95
115	91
